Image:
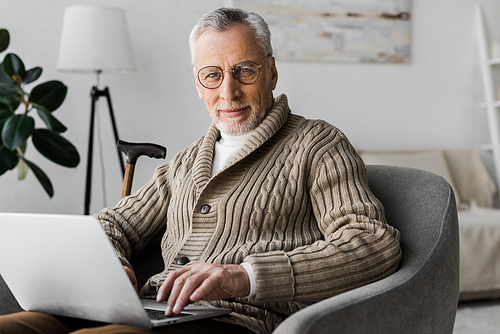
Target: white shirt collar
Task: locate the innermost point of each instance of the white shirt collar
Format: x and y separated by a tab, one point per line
230	140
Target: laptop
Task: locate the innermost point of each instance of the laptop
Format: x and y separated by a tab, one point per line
65	265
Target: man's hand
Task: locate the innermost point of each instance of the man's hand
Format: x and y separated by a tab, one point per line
131	277
203	281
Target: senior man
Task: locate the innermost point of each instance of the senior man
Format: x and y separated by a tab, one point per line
265	214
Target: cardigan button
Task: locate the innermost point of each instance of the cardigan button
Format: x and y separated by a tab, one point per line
182	260
205	209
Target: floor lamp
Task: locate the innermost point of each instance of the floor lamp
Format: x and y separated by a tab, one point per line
95	40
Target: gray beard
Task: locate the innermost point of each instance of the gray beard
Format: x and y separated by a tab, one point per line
234	128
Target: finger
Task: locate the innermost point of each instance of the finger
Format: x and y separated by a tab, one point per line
172	287
164	290
183	287
187	285
131	277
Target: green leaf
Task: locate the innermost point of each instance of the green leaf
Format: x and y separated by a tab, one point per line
42	178
3	77
4	115
16	130
55	148
11	107
9	92
22	169
49	95
8	159
22	149
32	75
4	39
12	65
51	122
10	95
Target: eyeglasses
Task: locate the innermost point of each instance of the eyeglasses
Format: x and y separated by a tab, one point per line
247	73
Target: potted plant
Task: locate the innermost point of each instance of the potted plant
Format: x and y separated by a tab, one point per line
17	124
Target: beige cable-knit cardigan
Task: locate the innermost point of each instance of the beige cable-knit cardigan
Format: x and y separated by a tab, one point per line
294	203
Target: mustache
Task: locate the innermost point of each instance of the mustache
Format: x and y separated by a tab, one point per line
233	105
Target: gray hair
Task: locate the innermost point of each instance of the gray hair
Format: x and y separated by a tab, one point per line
224	18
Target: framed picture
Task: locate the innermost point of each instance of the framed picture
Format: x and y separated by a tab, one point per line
361	31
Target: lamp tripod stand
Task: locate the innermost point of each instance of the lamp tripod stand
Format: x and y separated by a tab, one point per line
95	94
95	39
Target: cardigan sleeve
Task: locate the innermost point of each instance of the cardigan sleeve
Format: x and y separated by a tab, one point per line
139	218
358	248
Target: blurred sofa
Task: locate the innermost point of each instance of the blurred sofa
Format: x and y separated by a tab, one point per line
479	222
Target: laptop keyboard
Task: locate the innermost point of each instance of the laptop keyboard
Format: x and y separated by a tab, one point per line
160	315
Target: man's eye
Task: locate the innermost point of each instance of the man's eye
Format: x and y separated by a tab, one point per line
211	76
245	71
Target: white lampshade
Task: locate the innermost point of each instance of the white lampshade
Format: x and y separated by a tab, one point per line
95	38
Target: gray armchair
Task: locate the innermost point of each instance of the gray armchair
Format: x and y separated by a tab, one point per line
8	303
420	297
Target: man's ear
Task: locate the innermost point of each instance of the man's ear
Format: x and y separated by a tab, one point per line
274	73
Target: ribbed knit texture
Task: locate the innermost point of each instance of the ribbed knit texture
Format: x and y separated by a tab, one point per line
294	203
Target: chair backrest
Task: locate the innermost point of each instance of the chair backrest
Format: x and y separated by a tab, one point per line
421	206
415	202
422	295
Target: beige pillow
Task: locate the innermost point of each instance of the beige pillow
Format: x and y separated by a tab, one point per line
431	160
471	177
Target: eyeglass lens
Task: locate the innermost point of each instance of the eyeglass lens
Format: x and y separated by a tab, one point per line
212	76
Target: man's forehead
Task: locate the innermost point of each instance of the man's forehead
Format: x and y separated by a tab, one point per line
235	44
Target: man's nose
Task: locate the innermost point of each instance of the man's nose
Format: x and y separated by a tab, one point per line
230	89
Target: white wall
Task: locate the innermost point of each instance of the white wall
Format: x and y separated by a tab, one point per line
433	102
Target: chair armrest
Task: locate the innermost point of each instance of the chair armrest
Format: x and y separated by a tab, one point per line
400	303
8	303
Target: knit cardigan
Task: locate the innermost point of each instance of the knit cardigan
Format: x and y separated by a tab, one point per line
294	203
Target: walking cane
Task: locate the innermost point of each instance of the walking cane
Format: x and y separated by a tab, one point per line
133	151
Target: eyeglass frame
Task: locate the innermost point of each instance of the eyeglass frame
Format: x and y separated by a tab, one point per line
232	71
